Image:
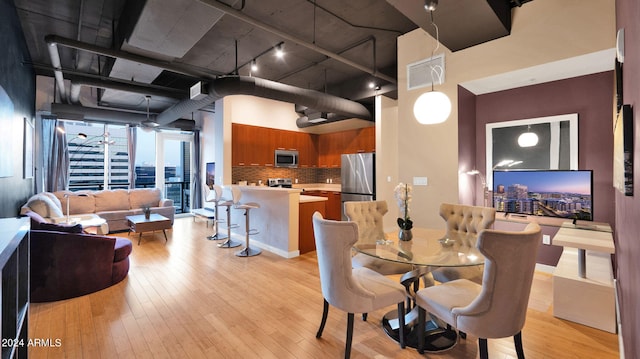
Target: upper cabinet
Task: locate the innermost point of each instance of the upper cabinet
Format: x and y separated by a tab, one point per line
332	145
255	146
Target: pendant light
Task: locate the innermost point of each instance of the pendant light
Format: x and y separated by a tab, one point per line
432	107
528	139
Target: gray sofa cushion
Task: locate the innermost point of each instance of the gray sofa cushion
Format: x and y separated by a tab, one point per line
112	200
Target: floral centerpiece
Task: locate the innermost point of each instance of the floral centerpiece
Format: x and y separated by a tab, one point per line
402	193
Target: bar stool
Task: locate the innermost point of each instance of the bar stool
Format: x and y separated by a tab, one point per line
246	251
229	243
208	213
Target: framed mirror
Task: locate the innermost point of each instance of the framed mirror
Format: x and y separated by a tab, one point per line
556	146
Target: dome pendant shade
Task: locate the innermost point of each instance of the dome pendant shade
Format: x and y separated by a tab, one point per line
432	107
528	139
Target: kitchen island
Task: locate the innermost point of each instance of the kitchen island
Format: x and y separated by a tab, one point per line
277	220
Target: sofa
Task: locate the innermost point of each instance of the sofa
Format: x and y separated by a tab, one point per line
68	263
112	205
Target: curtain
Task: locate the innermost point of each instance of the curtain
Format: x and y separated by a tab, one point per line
196	190
132	140
56	155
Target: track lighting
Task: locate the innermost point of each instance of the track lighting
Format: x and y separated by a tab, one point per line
279	51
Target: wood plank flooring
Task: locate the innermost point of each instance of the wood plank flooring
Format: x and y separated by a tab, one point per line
191	299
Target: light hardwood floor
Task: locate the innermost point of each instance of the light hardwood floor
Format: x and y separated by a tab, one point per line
191	299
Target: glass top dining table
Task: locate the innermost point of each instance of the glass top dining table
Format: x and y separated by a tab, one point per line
429	247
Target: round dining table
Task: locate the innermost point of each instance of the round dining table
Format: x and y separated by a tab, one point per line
427	250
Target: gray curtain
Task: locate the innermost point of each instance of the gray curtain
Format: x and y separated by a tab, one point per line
132	140
56	155
196	191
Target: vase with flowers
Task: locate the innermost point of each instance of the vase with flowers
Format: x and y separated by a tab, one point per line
402	193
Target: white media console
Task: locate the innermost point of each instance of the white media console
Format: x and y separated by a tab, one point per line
583	288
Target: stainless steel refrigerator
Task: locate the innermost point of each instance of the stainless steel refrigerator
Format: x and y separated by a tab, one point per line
358	178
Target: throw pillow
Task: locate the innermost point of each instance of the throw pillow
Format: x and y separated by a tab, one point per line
59	227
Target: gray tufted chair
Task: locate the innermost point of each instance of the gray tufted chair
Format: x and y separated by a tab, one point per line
353	290
464	219
368	216
497	308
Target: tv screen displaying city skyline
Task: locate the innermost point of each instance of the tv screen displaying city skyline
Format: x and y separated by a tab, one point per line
552	193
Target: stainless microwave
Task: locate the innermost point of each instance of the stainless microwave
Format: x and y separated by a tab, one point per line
286	158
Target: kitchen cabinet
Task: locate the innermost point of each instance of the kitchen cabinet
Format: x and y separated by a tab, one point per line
333	205
252	145
306	239
332	145
255	145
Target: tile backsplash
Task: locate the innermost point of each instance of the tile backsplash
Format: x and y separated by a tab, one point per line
254	174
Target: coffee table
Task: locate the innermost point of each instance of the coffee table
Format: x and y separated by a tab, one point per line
155	222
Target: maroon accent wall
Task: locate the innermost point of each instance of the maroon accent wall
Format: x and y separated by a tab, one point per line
591	97
467	148
627	209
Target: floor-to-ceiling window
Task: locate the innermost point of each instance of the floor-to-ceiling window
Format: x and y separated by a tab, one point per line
99	160
173	167
97	156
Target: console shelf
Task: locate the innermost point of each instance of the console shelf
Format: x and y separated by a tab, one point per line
14	264
583	290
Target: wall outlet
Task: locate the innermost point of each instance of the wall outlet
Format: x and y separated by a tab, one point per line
546	239
420	181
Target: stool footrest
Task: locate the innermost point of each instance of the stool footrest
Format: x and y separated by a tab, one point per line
251	232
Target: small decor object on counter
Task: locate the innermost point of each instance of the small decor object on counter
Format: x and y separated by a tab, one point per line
147	212
402	193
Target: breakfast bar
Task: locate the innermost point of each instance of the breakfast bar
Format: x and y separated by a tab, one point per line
278	218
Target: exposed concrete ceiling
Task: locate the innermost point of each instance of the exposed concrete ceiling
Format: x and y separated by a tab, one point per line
331	46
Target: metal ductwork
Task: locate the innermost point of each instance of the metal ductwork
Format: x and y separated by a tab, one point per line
92	114
121	85
244	85
217	88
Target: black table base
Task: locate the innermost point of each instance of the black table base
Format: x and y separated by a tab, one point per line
436	339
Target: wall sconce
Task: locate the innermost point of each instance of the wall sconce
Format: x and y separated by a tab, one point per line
254	65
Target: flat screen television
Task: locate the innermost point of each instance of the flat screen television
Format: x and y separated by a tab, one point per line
550	193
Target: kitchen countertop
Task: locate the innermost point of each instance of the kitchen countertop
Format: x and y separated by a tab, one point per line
307	199
335	187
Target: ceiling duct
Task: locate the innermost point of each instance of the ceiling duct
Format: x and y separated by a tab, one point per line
93	114
245	85
231	85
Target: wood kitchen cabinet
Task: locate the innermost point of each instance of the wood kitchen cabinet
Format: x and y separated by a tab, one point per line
255	145
252	145
333	205
306	239
332	145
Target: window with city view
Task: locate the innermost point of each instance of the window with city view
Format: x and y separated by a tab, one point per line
99	159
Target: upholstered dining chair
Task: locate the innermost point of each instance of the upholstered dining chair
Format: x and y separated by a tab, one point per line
463	219
368	215
498	307
353	290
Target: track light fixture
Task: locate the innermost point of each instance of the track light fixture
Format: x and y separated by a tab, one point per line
279	51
